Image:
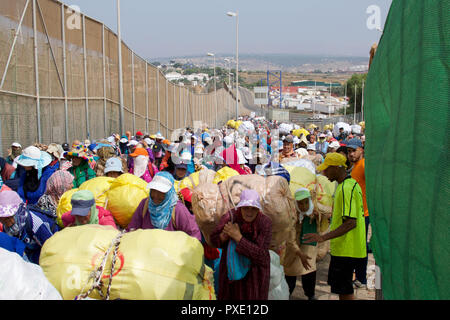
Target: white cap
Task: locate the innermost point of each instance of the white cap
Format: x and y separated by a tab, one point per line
16	144
334	145
149	141
111	139
160	183
311	146
123	140
113	164
133	143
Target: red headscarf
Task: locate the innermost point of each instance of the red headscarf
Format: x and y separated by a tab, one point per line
231	159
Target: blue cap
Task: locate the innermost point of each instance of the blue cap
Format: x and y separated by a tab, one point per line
114	165
354	143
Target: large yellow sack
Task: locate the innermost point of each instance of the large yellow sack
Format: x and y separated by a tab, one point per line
196	178
124	196
224	174
321	188
98	186
64	205
299	132
231	123
190	181
150	264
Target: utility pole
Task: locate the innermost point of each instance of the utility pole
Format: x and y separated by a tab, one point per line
119	37
354	111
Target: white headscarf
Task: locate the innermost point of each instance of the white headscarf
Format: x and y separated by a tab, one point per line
301	214
140	165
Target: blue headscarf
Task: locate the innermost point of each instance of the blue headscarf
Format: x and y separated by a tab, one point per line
161	214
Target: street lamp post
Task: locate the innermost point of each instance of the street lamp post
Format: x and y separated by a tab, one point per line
230	87
354	112
215	83
362	102
119	37
236	14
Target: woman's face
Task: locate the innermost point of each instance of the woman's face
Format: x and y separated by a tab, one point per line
113	174
303	205
83	220
157	196
249	213
76	161
8	221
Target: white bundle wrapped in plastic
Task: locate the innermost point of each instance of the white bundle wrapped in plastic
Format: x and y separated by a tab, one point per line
285	128
246	128
356	128
278	287
21	280
339	125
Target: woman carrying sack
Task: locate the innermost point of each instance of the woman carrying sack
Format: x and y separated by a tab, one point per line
244	235
163	209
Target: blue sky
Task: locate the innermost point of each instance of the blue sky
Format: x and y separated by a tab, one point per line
167	28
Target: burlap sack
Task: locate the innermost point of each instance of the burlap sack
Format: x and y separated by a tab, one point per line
210	202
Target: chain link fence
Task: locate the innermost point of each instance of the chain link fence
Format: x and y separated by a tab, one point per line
59	73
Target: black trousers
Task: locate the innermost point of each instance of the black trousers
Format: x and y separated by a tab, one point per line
308	284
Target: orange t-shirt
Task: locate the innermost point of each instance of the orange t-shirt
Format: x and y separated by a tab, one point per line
360	177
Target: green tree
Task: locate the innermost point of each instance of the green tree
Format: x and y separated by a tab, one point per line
355	80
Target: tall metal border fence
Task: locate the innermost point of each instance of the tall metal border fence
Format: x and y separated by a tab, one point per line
59	73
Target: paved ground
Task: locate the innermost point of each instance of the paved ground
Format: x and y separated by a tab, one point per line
323	289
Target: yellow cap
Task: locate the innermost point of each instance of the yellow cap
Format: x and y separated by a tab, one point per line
333	159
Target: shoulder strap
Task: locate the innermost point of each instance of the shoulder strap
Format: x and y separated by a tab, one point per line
150	169
174	223
144	209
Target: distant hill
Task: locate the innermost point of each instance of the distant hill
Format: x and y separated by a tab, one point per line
284	62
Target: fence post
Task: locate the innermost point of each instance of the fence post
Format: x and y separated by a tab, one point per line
167	107
158	102
174	108
36	70
146	97
104	82
63	33
86	78
132	92
179	105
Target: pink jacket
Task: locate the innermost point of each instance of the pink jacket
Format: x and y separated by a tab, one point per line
105	218
146	176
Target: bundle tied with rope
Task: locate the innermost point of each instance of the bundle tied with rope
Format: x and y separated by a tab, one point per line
210	202
99	262
321	190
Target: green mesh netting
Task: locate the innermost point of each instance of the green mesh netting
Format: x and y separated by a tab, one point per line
407	168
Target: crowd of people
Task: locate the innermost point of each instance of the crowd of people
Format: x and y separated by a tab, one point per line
33	179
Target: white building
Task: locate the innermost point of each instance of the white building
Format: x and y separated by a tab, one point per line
174	76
